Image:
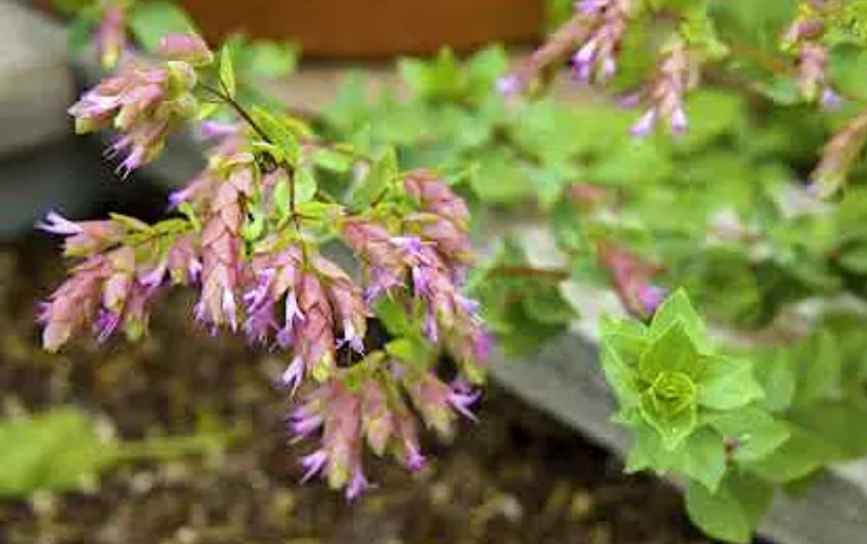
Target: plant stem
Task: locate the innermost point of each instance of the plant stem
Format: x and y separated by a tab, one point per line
224	96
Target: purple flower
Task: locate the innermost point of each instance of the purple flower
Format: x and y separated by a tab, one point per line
304	423
57	224
650	297
313	463
679	122
106	324
645	124
830	100
357	485
293	375
591	7
414	460
213	130
510	85
462	397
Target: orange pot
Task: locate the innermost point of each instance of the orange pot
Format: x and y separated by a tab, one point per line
372	28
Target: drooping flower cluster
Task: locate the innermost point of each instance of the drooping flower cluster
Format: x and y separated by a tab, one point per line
144	101
255	259
374	411
114	286
838	157
596	59
666	92
433	250
632	280
803	38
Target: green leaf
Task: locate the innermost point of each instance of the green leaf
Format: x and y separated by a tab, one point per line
776	376
700	457
55	451
150	21
821	366
727	383
283	196
437	79
670	351
678	307
621	377
733	512
839	424
855	260
703	458
547	305
334	161
754	432
381	176
501	178
255	226
669	406
269	59
280	132
410	350
802	454
305	185
227	72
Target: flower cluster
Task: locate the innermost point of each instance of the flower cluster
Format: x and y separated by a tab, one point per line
116	283
255	258
596	59
803	37
145	101
374	411
632	277
433	249
674	77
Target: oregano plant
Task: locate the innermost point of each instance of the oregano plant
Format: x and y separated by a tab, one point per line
701	160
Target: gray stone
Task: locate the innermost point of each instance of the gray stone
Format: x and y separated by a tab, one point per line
36	84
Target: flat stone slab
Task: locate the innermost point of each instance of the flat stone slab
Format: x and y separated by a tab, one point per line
36	83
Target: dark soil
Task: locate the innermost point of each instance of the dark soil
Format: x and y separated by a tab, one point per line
516	476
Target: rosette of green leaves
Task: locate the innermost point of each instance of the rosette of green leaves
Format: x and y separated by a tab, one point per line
693	411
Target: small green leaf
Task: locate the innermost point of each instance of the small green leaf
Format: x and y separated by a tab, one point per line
305	185
755	432
802	454
669	406
54	451
776	376
670	351
620	376
733	512
381	176
703	458
727	383
678	307
334	161
279	132
255	226
547	305
269	59
821	365
227	72
700	457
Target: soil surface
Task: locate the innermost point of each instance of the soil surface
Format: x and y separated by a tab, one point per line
518	476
